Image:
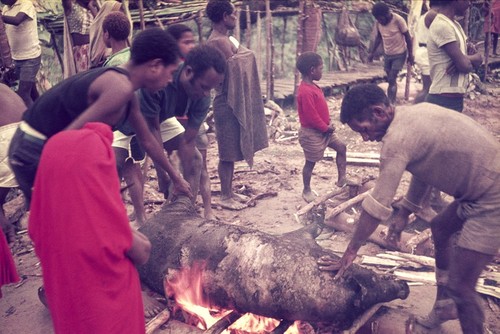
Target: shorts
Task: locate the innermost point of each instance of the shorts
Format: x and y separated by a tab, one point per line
394	62
27	69
422	60
453	103
169	129
128	143
314	143
24	156
481	230
7	177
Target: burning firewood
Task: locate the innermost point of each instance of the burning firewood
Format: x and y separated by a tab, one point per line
249	271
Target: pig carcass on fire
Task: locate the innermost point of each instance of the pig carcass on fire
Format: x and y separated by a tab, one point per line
251	271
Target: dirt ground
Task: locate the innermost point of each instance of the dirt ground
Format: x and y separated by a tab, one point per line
276	169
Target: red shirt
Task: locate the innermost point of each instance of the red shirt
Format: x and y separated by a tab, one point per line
312	107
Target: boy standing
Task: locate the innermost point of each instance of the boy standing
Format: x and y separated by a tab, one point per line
316	132
22	33
392	31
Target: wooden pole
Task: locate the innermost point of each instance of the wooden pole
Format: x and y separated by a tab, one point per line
248	31
259	43
487	42
237	30
283	40
199	26
269	53
141	14
300	37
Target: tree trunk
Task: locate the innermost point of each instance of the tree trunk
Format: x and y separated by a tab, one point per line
250	271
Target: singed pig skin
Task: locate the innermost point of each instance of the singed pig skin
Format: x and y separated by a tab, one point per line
251	271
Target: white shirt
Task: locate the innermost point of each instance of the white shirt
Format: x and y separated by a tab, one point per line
23	39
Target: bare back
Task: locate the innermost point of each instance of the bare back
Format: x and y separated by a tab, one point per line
12	106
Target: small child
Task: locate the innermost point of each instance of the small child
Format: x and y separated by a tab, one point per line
184	37
316	132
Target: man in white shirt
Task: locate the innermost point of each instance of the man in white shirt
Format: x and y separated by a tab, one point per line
20	21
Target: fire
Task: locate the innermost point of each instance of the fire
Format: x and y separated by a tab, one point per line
186	287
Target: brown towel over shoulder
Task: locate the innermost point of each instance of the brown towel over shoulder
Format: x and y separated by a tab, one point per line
239	110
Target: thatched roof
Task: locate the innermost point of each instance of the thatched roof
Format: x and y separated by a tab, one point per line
50	13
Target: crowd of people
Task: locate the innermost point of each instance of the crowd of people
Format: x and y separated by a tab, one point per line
123	99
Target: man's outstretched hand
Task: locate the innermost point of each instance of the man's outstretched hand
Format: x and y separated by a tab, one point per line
326	263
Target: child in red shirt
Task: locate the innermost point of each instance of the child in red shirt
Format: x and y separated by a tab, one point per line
316	132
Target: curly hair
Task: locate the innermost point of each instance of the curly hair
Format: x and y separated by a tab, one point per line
307	60
154	43
216	9
178	29
117	25
204	57
380	9
358	99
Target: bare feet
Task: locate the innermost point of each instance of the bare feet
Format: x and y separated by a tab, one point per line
442	311
231	204
151	305
341	182
308	196
209	214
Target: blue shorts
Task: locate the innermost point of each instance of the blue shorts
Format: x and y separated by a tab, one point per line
453	103
394	62
27	69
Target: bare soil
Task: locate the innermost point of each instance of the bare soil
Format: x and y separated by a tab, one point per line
276	169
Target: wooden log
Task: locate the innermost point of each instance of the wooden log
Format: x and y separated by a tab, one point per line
344	206
318	200
249	271
418	239
423	260
363	319
221	325
157	321
378	237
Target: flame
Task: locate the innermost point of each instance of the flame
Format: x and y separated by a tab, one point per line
186	287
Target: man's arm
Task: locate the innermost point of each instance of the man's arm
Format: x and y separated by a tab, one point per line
376	43
155	149
410	203
366	226
461	62
140	250
15	20
409	47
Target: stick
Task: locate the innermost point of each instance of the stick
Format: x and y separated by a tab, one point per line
363	319
408	79
252	201
223	323
157	321
318	200
282	327
413	242
344	206
378	237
